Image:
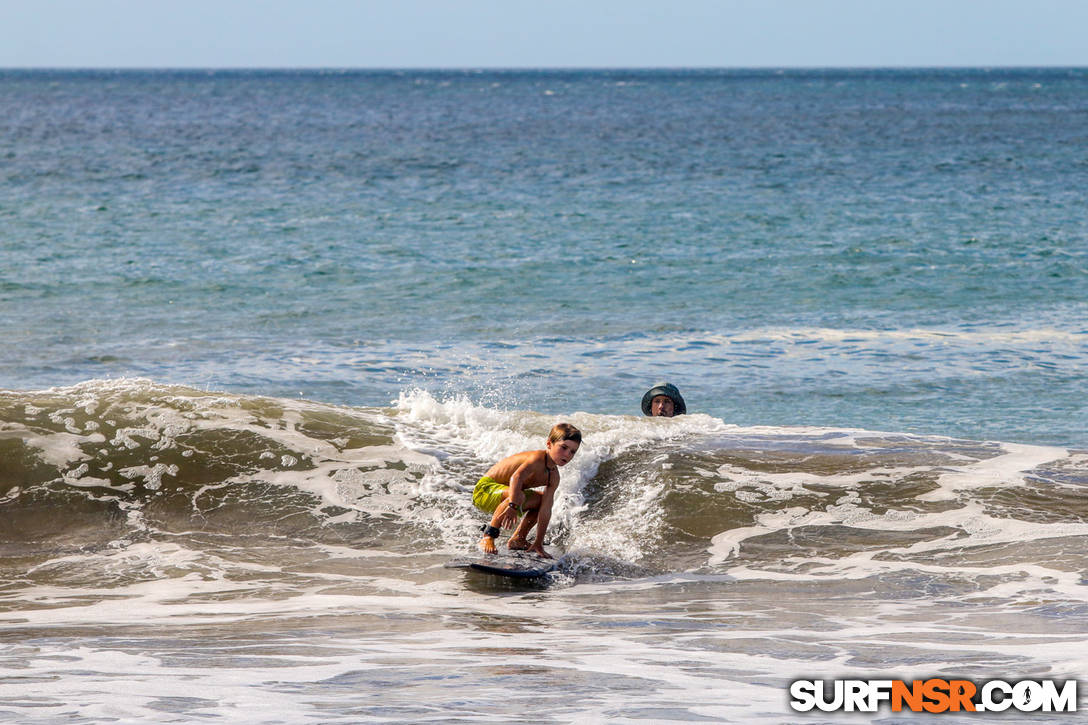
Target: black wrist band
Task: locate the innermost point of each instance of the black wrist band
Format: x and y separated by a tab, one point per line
490	530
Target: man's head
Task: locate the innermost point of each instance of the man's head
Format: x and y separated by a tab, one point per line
663	400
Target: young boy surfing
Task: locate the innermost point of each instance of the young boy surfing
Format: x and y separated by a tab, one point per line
506	491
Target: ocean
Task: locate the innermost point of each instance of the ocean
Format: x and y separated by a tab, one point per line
265	329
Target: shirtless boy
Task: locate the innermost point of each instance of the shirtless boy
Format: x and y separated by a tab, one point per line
505	491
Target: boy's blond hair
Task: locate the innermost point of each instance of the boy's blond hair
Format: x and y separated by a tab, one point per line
564	432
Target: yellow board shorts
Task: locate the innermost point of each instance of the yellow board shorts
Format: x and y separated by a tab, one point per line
488	494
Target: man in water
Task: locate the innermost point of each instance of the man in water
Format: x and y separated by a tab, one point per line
663	400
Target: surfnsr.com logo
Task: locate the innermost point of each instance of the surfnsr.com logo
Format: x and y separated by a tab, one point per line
934	695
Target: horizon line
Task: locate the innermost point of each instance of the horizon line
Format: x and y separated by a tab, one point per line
469	68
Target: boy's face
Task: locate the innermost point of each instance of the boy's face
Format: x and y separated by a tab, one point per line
562	451
662	406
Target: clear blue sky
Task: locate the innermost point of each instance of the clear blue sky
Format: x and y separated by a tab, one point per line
541	33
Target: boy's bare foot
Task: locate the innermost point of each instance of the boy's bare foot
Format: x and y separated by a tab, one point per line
488	545
517	544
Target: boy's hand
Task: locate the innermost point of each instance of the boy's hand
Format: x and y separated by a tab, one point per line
509	518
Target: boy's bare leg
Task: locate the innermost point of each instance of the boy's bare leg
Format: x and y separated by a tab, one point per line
487	543
518	541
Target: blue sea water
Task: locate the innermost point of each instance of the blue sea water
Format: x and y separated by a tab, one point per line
264	329
899	250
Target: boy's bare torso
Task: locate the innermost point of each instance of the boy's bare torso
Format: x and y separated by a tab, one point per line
535	474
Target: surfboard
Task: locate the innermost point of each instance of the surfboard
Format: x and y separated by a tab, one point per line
516	564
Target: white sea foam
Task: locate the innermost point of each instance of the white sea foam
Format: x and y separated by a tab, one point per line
682	645
62	449
1010	467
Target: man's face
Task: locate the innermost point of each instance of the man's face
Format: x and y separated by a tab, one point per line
662	407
